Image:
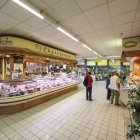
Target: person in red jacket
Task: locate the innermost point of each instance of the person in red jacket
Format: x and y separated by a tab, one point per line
89	87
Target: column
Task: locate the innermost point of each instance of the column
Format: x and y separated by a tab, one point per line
85	64
108	65
3	68
96	70
121	66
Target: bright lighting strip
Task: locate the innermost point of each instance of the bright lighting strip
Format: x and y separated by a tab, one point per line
95	52
99	55
113	56
91	50
92	58
78	58
66	33
87	47
23	5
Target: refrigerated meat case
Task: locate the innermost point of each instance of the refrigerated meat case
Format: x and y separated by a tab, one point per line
27	87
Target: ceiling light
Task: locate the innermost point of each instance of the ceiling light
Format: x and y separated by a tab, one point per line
7	55
87	47
66	33
23	5
119	42
92	58
99	55
79	58
114	56
95	52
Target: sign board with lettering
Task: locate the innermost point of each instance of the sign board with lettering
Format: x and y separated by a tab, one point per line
131	44
33	47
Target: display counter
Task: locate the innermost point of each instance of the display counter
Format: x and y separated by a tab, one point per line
124	97
20	95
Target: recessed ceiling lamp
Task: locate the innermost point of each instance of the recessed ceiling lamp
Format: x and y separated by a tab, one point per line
28	8
66	33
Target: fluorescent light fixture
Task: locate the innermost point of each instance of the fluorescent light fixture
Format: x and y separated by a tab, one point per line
23	5
99	55
95	52
78	58
114	56
66	33
87	47
92	58
119	42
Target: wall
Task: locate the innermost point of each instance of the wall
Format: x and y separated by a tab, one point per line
137	66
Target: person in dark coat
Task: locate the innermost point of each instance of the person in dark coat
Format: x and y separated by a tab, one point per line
108	89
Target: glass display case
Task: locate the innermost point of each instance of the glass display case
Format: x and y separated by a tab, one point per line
19	88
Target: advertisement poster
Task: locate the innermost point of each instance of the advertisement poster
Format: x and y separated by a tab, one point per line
7	66
18	67
18	64
14	75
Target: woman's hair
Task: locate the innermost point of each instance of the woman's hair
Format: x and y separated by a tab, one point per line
89	73
109	75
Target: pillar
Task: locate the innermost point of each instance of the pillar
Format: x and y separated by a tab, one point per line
121	66
108	65
3	68
85	64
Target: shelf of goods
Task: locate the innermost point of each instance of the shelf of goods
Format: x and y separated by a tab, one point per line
16	96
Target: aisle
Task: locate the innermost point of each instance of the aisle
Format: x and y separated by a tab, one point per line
68	117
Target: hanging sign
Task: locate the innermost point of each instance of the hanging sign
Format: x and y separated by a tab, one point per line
33	47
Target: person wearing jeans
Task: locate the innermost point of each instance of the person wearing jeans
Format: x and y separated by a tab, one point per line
89	87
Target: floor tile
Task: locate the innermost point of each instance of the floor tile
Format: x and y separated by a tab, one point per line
68	117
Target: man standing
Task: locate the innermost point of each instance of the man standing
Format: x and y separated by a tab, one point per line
115	88
89	87
107	84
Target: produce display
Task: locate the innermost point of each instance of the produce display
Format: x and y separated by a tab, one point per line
18	88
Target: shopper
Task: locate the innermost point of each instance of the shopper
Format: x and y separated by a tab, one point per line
89	87
93	78
115	88
107	84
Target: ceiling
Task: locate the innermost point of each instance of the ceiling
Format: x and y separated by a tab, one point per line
100	24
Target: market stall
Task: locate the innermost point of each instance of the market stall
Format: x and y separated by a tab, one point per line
32	73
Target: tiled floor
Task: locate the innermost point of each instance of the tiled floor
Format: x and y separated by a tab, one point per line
68	117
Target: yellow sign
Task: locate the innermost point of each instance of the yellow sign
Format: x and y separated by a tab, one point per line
101	62
91	63
126	63
114	62
20	43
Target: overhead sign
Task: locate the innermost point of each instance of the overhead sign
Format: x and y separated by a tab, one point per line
131	44
33	47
